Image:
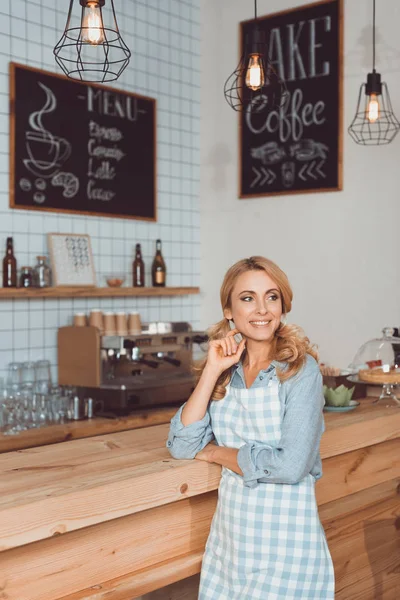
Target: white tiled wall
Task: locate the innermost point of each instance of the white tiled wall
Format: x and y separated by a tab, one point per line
164	37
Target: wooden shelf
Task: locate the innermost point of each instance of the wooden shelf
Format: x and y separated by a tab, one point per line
94	292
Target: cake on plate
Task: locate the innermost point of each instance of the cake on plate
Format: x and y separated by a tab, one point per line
379	375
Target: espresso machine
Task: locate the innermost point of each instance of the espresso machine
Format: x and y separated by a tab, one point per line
126	373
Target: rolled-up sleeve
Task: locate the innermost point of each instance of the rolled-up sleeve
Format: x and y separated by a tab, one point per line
302	426
186	441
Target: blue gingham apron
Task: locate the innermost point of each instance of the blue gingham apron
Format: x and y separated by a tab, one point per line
267	542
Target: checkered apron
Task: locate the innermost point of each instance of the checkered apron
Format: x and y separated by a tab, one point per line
267	542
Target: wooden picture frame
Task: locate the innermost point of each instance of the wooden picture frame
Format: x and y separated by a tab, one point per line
318	165
71	260
65	152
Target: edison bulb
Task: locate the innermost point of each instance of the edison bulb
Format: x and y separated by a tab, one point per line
92	24
373	109
255	78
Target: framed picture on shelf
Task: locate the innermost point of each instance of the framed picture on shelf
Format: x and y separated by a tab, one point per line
71	259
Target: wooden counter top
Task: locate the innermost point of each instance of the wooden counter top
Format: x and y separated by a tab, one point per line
74	430
64	487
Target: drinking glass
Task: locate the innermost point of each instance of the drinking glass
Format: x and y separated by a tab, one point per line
35	410
64	408
44	409
42	376
11	426
27	408
28	376
14	378
55	403
3	415
67	393
19	412
3	410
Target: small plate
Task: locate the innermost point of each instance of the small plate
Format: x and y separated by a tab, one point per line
353	404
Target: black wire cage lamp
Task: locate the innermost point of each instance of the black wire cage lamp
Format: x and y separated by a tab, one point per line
375	122
89	50
254	84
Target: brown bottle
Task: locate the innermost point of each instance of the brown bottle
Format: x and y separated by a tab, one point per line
9	266
138	268
158	269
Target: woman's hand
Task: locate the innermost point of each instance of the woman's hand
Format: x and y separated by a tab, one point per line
224	353
207	453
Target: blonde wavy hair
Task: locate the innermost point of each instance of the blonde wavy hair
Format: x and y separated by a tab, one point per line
290	345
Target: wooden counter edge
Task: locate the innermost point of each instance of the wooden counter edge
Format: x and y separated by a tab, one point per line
46	517
354	436
75	430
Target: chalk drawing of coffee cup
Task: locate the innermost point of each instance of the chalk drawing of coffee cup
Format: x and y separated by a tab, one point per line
288	174
46	151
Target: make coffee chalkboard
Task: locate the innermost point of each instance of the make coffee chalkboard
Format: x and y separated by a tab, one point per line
81	148
297	148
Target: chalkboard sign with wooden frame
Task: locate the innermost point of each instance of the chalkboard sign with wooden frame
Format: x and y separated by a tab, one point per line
297	148
80	148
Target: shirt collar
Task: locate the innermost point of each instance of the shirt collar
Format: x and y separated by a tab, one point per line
238	367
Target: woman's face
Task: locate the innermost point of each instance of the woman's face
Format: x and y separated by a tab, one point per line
256	306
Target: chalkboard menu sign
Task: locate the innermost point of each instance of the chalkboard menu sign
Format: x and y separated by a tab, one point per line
297	148
81	148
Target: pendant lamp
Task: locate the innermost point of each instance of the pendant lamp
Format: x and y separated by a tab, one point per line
91	48
254	84
375	122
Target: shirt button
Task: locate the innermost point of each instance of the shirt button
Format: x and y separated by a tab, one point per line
266	472
261	377
169	443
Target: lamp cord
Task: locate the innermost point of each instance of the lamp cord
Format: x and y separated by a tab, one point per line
255	9
373	36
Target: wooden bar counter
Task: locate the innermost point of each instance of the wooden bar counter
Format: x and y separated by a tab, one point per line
75	430
113	517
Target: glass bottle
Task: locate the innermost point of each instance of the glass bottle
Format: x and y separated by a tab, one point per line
158	269
42	273
138	268
9	265
26	277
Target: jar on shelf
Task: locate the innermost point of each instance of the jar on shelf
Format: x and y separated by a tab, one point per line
42	273
26	277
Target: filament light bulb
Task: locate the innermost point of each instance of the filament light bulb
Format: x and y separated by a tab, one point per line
373	109
92	24
255	78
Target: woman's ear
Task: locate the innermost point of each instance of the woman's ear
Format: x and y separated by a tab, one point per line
227	314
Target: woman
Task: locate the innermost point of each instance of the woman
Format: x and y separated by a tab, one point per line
266	540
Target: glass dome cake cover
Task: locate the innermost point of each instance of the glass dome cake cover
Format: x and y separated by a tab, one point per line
383	353
377	361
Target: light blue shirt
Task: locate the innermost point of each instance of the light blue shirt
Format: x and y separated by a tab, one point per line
297	453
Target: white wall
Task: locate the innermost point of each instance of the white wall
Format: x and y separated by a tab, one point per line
340	250
164	37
